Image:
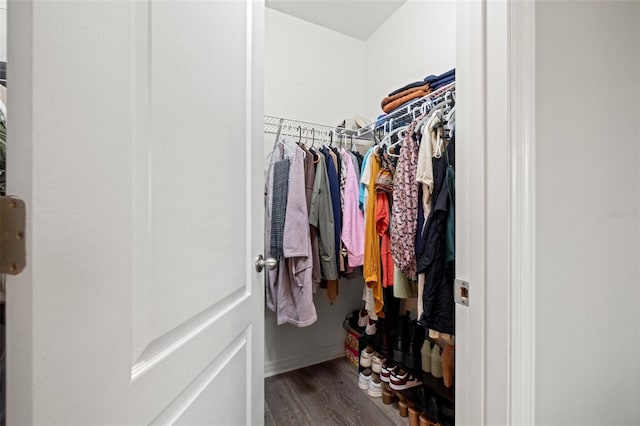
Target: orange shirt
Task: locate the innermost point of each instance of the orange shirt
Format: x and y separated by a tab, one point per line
371	239
382	225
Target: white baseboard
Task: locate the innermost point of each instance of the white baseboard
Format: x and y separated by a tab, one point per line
279	366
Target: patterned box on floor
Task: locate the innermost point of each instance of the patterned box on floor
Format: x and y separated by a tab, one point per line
351	346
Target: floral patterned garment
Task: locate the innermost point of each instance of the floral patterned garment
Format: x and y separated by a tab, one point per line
405	207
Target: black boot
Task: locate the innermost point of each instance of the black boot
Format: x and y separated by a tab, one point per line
413	357
382	336
402	339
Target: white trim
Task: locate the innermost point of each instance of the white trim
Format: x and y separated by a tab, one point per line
471	210
284	365
522	211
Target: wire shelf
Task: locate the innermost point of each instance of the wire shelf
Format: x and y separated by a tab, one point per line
309	131
407	112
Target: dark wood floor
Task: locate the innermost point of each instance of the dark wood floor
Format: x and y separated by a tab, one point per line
325	394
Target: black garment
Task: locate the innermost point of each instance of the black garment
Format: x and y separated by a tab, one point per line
391	310
437	297
420	224
334	188
360	158
339	158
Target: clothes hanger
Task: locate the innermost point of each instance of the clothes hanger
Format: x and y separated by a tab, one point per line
387	132
445	103
427	115
401	132
440	106
313	137
279	129
283	142
316	157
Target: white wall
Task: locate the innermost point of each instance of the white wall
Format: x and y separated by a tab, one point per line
3	30
417	40
311	74
587	213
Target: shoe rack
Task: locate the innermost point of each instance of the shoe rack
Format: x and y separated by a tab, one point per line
428	404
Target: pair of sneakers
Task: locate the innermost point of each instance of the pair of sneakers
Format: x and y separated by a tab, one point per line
365	321
370	381
398	378
372	359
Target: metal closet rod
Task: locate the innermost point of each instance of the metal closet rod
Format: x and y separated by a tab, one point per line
405	111
304	129
272	123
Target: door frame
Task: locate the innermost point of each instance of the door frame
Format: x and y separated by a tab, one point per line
522	294
19	319
495	353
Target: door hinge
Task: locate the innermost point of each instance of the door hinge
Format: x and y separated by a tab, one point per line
13	255
461	292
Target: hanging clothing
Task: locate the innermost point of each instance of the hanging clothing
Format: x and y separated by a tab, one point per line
321	217
372	241
309	179
451	217
279	206
295	284
271	275
402	287
334	190
383	219
405	207
424	170
353	218
289	285
365	176
438	305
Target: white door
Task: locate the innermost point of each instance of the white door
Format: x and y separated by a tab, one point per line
136	142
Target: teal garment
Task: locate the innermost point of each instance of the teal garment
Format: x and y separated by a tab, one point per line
450	232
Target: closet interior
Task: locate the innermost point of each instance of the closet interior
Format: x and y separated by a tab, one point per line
359	198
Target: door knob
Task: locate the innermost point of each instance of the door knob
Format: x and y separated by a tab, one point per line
261	262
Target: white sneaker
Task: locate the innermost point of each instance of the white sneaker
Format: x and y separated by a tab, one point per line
403	380
364	378
366	357
375	386
376	362
363	318
371	328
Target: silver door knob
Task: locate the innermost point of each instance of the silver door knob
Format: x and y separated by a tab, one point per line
261	262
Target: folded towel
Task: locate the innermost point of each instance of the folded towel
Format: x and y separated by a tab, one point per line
408	86
395	104
435	78
443	82
402	94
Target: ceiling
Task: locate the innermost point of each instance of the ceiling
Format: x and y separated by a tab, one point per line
355	18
